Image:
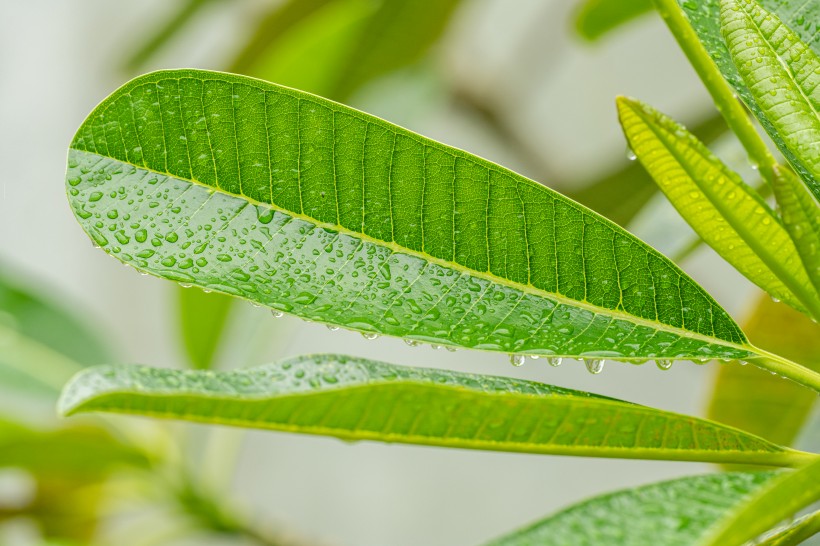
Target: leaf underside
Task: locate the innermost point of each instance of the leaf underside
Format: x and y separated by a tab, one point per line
309	207
673	513
357	399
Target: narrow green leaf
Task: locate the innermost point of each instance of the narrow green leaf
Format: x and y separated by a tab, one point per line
357	399
781	73
782	498
800	16
673	513
202	320
755	401
801	216
796	533
312	208
727	213
596	18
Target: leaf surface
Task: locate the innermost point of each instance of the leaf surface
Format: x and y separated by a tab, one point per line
727	213
597	18
673	513
800	16
357	399
796	533
202	321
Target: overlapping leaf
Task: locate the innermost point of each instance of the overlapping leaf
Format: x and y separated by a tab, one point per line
202	320
357	399
796	533
674	513
596	18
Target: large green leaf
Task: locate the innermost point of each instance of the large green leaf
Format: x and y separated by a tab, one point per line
357	399
673	513
727	213
315	209
799	15
595	18
755	401
780	499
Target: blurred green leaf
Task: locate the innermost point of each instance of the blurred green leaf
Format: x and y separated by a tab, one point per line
673	513
358	399
728	214
596	18
753	400
202	321
780	499
795	533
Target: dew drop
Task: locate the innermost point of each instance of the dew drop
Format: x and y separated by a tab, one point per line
664	363
435	347
594	365
450	349
276	313
370	335
554	361
775	299
411	342
332	327
630	154
185	285
517	360
742	362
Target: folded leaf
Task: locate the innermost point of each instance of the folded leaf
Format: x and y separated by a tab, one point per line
782	498
727	213
781	73
357	399
596	18
798	15
673	513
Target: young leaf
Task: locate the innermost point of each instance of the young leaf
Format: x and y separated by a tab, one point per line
596	18
781	73
202	320
798	15
728	214
309	207
673	513
357	399
782	498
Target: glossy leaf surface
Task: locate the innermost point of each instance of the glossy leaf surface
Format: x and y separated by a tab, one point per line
674	513
779	500
727	213
357	399
312	208
799	15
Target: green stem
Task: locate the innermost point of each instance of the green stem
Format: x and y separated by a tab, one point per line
782	366
722	93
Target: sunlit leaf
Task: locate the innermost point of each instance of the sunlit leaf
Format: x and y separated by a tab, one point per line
727	213
596	18
673	513
202	320
795	533
357	399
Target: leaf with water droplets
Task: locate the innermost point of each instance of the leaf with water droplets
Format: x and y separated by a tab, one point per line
673	513
727	213
801	17
315	209
358	399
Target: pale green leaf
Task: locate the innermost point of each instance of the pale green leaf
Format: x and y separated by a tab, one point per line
596	18
727	213
673	513
796	533
358	399
202	321
782	498
800	16
312	208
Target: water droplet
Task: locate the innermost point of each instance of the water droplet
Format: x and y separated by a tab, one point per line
332	327
185	285
370	335
594	365
450	349
742	362
664	363
775	299
276	313
554	361
435	347
630	154
517	360
412	342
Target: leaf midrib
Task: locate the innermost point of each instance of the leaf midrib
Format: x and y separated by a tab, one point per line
488	276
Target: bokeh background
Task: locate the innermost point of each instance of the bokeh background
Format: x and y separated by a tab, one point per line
514	82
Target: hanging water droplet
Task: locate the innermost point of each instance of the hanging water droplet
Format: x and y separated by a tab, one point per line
594	365
332	327
663	363
554	361
450	349
185	285
742	362
276	313
630	154
412	342
370	335
775	299
534	357
517	360
435	347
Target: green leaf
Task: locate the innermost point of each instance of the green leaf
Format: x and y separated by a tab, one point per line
757	402
796	533
202	320
596	18
799	15
315	209
727	213
781	73
782	498
673	513
357	399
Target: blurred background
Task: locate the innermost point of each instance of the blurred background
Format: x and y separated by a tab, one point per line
528	84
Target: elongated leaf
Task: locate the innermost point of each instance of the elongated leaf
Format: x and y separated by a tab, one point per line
796	533
672	513
202	320
758	402
780	499
357	399
316	209
799	15
728	214
596	18
801	216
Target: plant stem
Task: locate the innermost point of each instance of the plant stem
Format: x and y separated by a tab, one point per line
722	93
791	370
